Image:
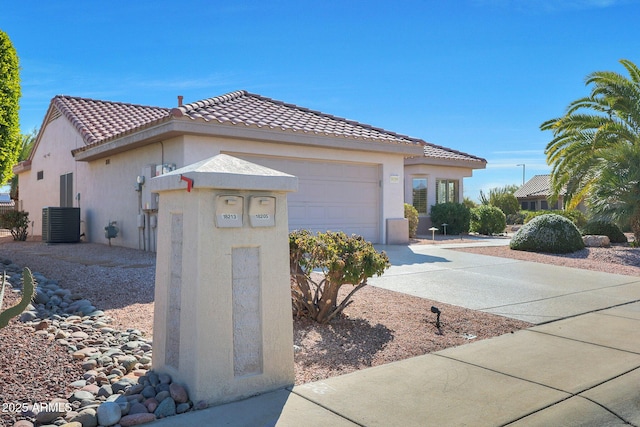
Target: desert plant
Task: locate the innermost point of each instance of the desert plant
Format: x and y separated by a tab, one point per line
604	228
502	198
487	220
516	218
548	233
573	215
469	203
28	286
455	215
321	263
17	222
411	214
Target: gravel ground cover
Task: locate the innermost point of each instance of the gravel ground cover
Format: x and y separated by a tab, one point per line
380	326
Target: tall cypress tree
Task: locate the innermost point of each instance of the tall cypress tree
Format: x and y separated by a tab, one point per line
10	142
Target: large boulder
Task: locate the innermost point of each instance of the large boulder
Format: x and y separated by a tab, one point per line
548	233
611	230
592	241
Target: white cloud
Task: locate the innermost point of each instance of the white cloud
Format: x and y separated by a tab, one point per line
552	6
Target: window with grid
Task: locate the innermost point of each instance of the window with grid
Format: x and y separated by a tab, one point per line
447	191
420	195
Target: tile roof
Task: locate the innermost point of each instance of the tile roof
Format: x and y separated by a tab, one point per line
439	152
244	108
99	121
537	186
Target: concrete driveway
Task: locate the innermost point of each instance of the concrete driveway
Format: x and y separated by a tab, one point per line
533	292
583	370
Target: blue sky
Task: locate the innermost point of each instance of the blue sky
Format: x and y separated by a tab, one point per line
478	76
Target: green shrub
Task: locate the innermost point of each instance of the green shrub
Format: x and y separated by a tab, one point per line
604	228
340	260
548	233
411	214
575	216
455	215
516	218
17	222
487	220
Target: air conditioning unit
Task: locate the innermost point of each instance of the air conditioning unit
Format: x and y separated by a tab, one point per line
60	225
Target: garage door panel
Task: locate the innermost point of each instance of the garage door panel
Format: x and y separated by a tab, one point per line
331	195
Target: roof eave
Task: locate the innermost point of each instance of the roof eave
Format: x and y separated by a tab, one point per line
440	161
185	126
23	166
135	139
290	136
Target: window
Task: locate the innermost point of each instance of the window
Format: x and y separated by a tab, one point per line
40	175
544	205
66	190
446	191
420	195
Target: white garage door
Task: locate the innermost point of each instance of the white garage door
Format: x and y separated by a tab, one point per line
331	196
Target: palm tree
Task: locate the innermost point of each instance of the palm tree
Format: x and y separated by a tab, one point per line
615	195
588	138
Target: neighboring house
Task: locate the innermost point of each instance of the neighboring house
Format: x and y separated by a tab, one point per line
6	204
98	155
534	194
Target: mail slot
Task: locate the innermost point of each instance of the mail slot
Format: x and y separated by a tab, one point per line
229	211
262	211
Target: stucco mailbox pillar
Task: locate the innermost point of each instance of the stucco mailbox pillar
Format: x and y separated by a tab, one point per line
223	324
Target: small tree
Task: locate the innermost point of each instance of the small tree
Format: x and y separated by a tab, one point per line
322	263
411	214
10	93
17	222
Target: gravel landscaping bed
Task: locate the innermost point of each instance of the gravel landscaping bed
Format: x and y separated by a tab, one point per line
617	259
380	326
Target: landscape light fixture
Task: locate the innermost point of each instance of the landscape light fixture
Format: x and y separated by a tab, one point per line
433	232
444	226
437	312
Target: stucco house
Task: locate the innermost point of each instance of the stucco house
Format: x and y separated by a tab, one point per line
534	194
99	155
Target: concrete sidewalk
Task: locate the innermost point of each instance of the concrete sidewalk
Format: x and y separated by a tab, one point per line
582	370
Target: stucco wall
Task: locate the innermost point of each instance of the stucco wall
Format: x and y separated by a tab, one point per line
109	191
53	158
432	173
392	166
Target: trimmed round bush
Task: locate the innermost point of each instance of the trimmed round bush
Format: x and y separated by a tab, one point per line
575	216
487	220
549	233
603	228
